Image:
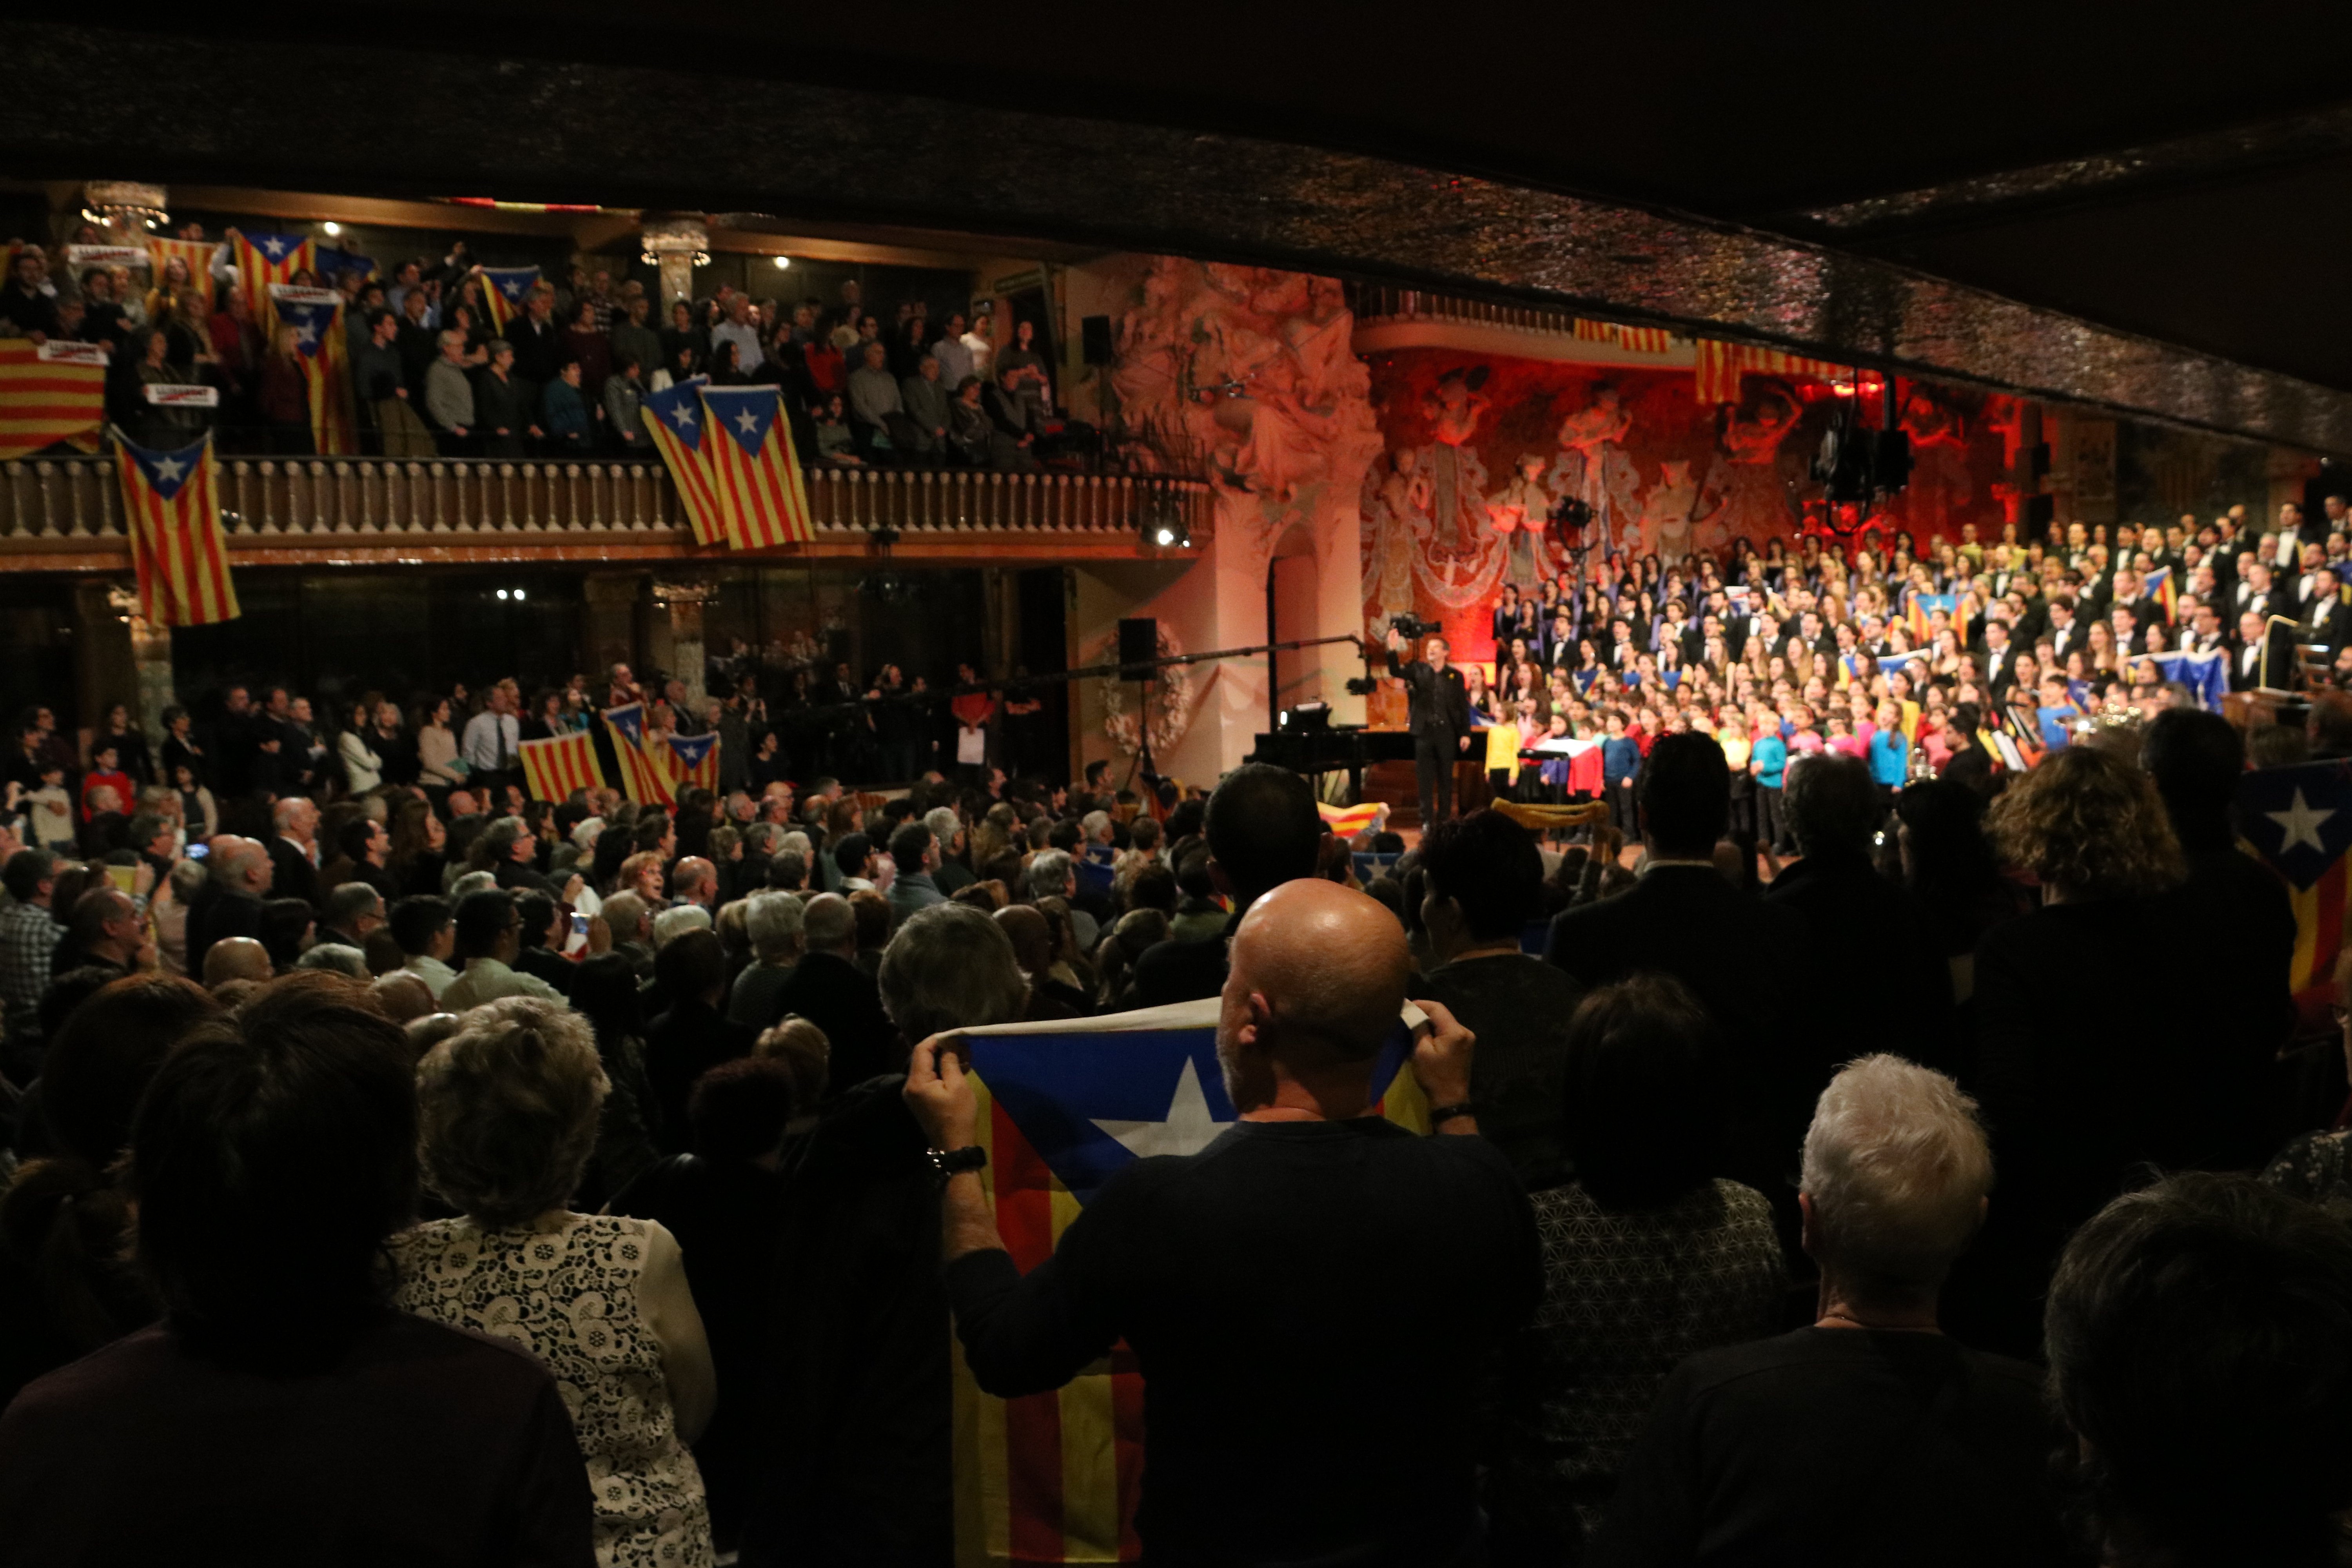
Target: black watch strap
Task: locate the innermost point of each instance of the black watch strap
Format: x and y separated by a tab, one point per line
947	1162
1442	1113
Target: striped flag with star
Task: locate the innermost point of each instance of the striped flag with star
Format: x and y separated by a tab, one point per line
316	317
195	254
754	471
673	416
2299	821
1064	1107
690	759
172	501
642	778
56	392
1347	821
504	288
553	769
264	261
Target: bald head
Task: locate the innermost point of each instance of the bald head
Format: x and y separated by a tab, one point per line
403	997
1317	977
235	958
240	865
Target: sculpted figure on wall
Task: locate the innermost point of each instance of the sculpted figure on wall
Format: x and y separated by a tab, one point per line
1520	512
1595	468
1396	531
1745	493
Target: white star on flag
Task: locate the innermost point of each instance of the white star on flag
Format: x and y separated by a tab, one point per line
747	422
305	334
681	416
273	246
1187	1129
169	468
2300	823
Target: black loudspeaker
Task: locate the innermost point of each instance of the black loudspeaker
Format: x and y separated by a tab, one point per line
1094	339
1139	645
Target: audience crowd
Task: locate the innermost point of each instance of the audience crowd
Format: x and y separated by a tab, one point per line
433	371
402	1169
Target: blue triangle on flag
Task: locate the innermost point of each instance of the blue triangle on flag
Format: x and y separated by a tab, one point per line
166	472
743	412
692	749
276	246
679	409
2299	819
630	721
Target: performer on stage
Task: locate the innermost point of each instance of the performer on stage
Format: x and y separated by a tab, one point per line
1438	714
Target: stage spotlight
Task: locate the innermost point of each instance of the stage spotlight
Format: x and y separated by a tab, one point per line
332	228
518	595
1168	532
502	592
782	262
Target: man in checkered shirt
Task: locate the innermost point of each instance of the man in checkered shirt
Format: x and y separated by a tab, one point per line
28	936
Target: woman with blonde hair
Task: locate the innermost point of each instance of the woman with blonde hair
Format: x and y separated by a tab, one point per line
283	395
508	1108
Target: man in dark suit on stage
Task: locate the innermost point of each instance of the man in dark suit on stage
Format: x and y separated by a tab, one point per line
2264	654
1439	717
2327	619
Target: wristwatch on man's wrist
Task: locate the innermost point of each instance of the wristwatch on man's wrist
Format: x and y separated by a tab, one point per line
1443	1113
949	1163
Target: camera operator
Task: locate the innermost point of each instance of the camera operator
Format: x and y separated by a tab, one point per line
1439	715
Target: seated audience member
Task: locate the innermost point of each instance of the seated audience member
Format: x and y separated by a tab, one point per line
488	940
2199	1335
1262	831
2084	1082
1273	1448
861	1461
691	1035
66	1282
1482	881
506	1113
231	904
832	992
772	921
403	997
279	1405
545	928
1870	1436
1902	994
1646	1261
287	927
632	927
234	958
723	1202
427	935
1739	957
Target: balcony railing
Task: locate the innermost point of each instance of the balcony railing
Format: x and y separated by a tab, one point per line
74	505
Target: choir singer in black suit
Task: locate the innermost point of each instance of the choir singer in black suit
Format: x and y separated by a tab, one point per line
1439	718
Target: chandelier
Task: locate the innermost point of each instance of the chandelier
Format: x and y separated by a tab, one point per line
125	205
676	237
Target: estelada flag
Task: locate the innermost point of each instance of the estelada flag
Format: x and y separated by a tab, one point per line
504	288
754	471
1347	821
2159	584
315	316
172	499
690	760
195	254
2299	820
1925	605
553	769
642	778
54	392
1064	1107
264	259
674	418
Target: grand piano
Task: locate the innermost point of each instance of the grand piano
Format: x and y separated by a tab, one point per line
1348	748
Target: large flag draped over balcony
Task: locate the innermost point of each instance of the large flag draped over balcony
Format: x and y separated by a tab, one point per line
53	392
754	471
673	416
173	502
1054	1477
264	259
504	288
316	316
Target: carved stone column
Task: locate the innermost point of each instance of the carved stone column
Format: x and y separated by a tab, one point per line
677	243
683	603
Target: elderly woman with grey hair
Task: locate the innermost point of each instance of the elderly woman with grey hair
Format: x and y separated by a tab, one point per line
1870	1435
508	1108
773	922
950	967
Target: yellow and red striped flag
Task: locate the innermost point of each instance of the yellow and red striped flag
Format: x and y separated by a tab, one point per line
316	317
263	259
173	502
1716	373
553	769
754	471
50	394
1347	821
643	779
195	254
674	417
504	288
1063	1108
